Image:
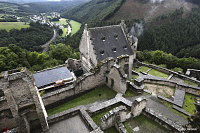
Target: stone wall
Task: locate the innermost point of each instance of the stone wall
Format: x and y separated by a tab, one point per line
138	106
167	71
187	88
116	80
24	107
109	119
102	74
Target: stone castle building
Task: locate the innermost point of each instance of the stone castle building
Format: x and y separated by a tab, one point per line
100	43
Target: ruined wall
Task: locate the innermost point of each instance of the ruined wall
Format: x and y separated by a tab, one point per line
109	119
116	80
187	88
87	82
167	71
22	98
138	106
103	73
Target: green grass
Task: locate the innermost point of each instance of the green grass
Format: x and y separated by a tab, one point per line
169	105
135	76
158	74
65	30
100	93
111	130
97	117
129	130
13	25
190	82
188	104
63	21
145	124
143	69
75	26
130	93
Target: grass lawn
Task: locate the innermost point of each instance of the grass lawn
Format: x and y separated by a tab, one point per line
61	21
135	76
169	105
100	93
158	74
130	93
75	26
65	30
111	130
190	82
145	124
188	104
143	69
13	25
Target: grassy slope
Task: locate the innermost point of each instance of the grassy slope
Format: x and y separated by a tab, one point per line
75	26
143	69
99	93
188	104
158	74
13	25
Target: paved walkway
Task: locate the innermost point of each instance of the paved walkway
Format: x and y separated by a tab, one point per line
179	96
155	105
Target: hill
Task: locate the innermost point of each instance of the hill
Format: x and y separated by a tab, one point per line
148	9
94	10
115	10
50	6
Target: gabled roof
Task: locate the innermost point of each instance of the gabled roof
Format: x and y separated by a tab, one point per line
109	41
50	76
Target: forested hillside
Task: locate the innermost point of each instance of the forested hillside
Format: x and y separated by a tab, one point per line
28	38
95	10
12	57
180	37
41	7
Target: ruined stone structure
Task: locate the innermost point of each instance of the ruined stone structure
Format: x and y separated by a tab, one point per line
21	106
100	43
117	114
107	72
138	106
193	73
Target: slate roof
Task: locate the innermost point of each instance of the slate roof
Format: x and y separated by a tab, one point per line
109	41
50	76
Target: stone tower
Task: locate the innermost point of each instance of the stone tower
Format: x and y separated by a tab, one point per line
22	102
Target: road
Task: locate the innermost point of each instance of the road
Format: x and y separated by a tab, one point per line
46	45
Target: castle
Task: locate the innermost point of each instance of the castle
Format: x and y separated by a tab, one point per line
107	57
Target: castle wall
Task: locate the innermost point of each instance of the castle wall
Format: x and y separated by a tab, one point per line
21	104
115	81
89	81
187	88
167	71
